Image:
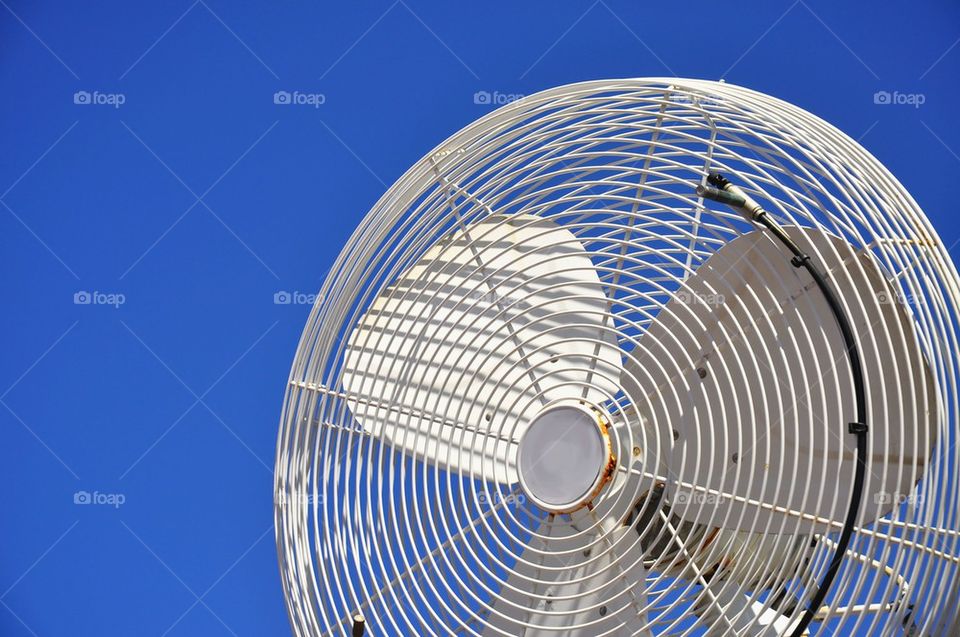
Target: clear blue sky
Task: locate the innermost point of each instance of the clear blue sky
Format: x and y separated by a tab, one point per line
179	192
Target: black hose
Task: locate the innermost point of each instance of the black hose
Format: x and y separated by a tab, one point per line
859	427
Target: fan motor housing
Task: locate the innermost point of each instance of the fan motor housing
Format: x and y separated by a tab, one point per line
565	458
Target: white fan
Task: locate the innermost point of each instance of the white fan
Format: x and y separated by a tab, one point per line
636	357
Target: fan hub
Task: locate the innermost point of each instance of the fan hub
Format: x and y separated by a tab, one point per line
565	458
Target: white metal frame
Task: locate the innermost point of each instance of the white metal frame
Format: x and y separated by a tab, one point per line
361	528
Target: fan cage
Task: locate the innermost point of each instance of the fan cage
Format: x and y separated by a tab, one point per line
417	549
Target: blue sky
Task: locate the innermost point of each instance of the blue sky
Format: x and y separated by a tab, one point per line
154	200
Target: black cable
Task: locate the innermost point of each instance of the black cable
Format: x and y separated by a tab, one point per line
359	625
724	192
859	427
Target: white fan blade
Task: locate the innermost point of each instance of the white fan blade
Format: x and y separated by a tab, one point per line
576	583
742	563
746	368
728	612
453	359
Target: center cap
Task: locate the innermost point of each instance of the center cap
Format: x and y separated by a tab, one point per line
565	458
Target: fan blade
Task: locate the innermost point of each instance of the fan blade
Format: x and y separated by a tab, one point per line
728	612
746	368
453	359
740	563
589	583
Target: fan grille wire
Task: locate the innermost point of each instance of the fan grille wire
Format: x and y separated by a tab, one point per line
422	550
